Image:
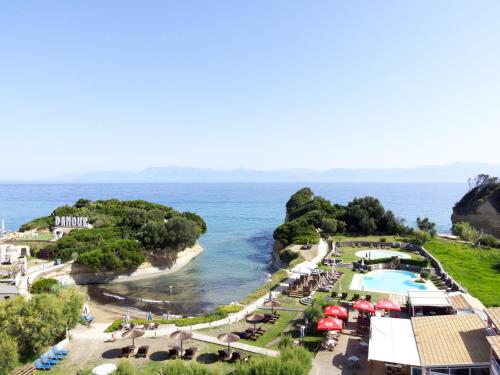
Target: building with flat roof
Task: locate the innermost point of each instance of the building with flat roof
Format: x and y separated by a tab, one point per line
493	315
8	291
428	302
452	344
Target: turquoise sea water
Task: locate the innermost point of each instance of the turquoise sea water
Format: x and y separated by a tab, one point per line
240	218
391	281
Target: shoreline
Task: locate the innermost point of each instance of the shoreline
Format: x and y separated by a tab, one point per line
68	276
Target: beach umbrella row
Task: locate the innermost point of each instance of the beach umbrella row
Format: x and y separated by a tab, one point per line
133	334
228	338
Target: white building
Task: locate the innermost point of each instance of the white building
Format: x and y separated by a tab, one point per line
11	253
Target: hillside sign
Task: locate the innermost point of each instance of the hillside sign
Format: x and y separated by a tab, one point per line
71	221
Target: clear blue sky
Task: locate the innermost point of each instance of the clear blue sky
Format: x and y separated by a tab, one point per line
124	85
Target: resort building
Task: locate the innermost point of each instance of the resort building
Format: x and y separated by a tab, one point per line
11	253
493	319
429	302
8	291
452	344
495	354
432	345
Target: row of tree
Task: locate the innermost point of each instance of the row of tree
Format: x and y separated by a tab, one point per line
29	327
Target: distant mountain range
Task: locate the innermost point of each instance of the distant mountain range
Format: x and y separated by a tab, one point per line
456	172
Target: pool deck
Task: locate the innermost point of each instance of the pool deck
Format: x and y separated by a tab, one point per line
357	284
362	253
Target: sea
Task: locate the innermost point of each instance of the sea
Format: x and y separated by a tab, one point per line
237	247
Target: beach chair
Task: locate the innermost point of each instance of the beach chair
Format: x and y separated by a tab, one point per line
53	355
126	351
42	366
173	353
223	355
189	353
58	351
142	351
236	356
46	360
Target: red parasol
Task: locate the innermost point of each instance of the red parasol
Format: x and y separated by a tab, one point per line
387	304
330	324
364	305
336	311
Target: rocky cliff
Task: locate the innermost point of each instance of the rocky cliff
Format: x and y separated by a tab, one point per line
480	207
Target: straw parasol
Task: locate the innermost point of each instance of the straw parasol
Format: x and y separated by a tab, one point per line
133	334
255	318
181	336
330	324
229	338
272	303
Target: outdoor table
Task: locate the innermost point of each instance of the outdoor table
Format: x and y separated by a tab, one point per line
105	369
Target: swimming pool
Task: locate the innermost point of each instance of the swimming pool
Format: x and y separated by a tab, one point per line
389	281
377	254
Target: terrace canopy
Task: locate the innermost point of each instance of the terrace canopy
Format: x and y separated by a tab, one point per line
429	300
392	341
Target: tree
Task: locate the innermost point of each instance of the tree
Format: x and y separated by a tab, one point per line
420	237
427	226
9	357
482	180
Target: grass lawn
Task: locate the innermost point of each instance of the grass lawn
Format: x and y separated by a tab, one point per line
471	267
273	334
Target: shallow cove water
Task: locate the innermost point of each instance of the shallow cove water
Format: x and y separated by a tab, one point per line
240	218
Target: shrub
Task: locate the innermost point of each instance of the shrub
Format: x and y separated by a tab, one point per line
465	231
44	285
286	341
294	360
420	237
382	239
287	255
9	356
489	241
415	262
178	367
125	368
424	274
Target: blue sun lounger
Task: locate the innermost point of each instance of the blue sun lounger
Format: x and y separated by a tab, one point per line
42	366
47	361
58	351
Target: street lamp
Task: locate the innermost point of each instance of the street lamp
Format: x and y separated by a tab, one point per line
169	302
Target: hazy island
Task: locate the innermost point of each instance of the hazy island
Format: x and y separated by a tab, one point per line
110	238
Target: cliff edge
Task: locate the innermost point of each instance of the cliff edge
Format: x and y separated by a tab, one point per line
480	206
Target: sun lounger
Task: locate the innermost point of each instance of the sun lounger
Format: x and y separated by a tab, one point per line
53	355
189	353
126	351
142	351
58	351
173	353
223	355
235	357
42	366
46	360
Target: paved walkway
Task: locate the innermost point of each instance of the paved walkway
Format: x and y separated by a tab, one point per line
32	275
238	345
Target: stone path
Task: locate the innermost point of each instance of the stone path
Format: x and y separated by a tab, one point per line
237	345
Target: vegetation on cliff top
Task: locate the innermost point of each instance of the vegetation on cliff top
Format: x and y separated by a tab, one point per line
482	188
124	233
307	213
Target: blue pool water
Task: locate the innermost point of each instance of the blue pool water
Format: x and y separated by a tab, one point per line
240	218
378	254
391	281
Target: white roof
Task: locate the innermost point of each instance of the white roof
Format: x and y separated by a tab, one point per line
392	340
436	298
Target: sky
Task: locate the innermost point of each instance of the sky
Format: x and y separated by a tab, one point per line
126	85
